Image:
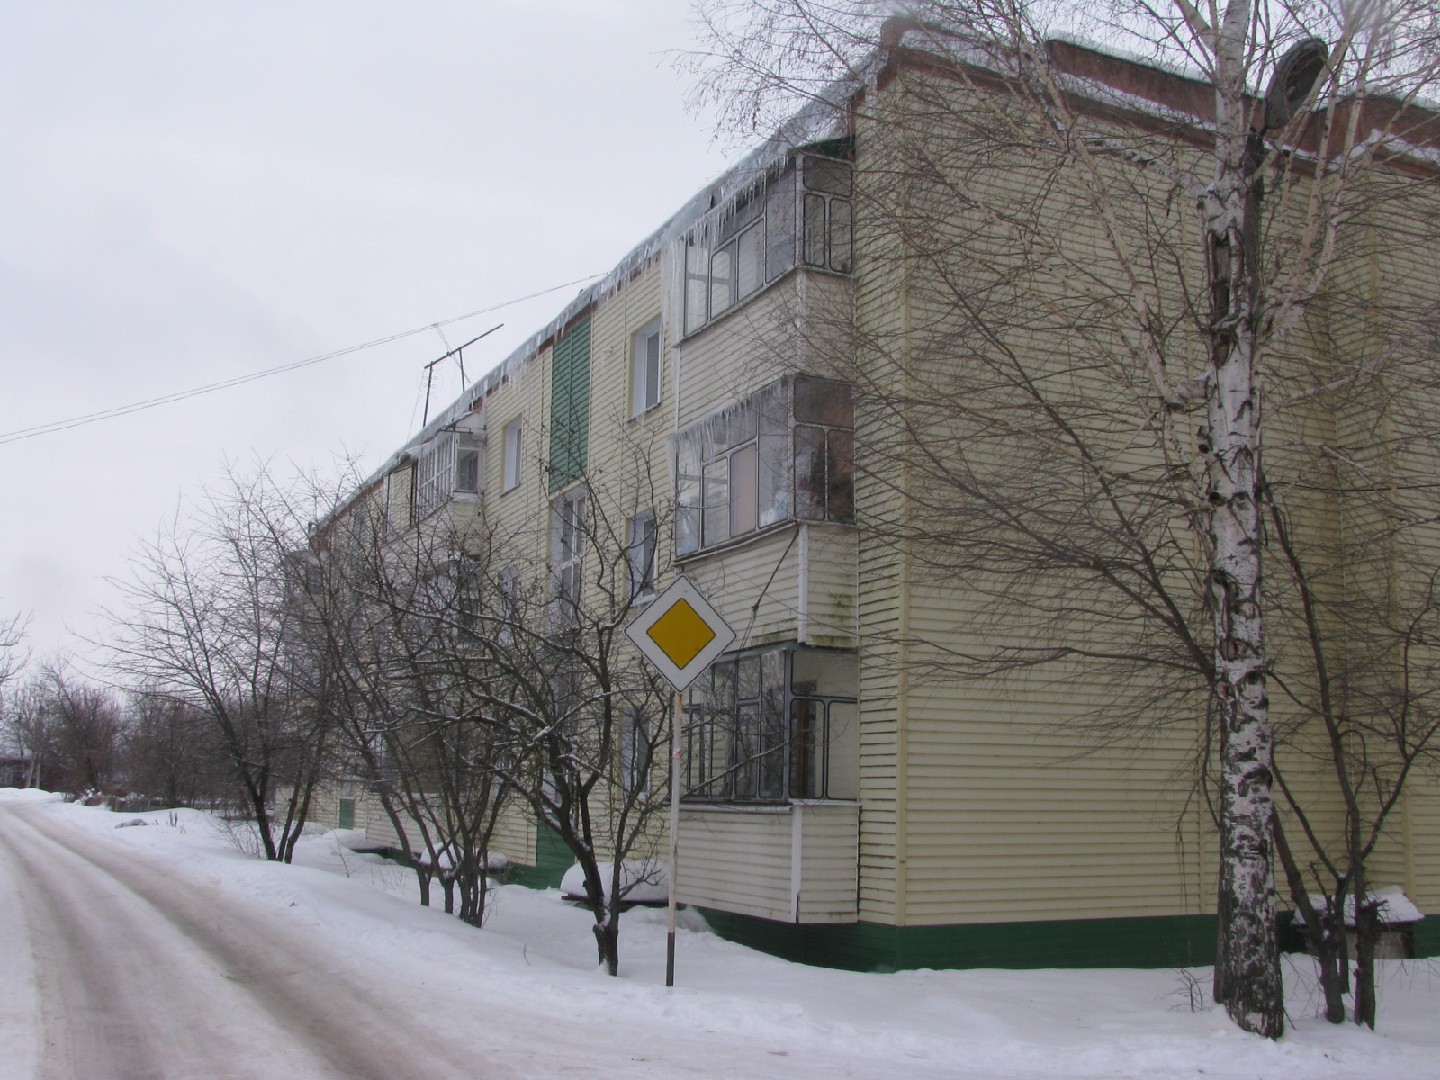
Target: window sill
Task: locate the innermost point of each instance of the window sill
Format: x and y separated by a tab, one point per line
736	543
756	536
719	806
641	417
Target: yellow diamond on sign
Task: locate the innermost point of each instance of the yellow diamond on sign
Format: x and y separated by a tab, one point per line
681	633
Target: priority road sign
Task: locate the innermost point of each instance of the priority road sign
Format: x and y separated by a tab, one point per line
680	633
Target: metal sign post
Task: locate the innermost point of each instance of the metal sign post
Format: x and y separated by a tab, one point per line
674	835
681	635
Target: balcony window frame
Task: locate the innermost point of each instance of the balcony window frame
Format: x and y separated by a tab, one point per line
797	214
743	739
568	540
641	554
438	467
785	453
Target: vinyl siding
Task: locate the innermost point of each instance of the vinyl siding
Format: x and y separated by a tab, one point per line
739	353
754	585
1006	802
830	585
742	861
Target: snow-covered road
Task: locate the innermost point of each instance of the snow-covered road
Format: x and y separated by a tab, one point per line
140	975
148	946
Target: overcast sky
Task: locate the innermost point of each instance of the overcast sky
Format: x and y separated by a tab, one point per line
198	190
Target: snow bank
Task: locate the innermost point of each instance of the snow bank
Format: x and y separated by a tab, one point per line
11	794
642	882
733	1010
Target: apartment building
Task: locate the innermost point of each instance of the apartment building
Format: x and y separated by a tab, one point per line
902	762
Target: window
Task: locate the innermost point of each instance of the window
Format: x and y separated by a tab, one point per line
458	590
636	752
640	555
772	725
449	464
799	212
511	465
567	552
827	236
645	369
468	469
786	452
510	610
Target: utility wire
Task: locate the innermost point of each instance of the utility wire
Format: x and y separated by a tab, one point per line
240	380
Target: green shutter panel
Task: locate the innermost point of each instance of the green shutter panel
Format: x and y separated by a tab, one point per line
570	407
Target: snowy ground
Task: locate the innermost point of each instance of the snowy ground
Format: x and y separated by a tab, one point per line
527	980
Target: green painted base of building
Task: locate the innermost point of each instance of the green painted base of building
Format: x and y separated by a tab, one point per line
552	859
1426	937
1153	942
1169	941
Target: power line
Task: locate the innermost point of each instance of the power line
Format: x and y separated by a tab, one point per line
240	380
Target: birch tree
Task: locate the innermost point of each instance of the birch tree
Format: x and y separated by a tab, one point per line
1162	260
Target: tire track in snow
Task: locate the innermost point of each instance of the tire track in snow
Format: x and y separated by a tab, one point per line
139	977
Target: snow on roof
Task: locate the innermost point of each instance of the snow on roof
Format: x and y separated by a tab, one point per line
825	116
822	118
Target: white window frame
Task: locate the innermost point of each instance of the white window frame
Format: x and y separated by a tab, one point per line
739	471
509	599
567	553
646	355
641	553
801	214
510	464
434	475
467	447
437	472
636	753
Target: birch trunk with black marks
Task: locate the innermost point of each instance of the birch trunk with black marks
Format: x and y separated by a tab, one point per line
1247	963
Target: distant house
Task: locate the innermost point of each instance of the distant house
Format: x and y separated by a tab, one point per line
845	801
18	770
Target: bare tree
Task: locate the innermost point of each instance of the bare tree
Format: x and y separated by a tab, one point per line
397	612
171	753
1098	284
68	730
86	727
215	625
12	656
30	732
578	719
12	660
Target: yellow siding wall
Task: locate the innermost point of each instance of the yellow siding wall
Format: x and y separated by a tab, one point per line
788	863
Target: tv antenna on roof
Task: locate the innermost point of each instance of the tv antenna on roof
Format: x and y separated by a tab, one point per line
458	351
